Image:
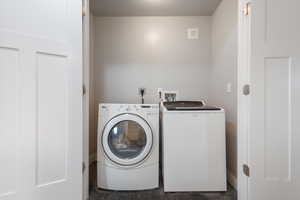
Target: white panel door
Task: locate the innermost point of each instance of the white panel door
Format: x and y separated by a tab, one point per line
40	100
274	134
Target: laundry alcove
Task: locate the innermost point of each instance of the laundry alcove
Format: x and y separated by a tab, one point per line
190	48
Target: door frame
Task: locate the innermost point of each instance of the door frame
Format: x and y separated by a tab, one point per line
243	101
86	94
244	57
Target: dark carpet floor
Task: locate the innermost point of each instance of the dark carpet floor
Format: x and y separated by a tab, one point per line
97	194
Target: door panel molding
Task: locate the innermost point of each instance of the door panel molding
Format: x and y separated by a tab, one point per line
9	118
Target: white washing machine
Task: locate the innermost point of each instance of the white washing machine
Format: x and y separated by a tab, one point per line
128	146
194	153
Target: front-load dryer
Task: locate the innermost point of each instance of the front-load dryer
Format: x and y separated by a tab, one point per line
128	146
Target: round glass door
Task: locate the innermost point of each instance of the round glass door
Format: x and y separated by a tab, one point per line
127	139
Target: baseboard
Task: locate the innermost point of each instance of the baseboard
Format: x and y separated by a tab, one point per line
92	158
232	180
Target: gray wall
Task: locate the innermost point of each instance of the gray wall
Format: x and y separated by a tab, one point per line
224	71
150	52
153	52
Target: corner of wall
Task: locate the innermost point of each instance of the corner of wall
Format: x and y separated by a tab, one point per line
92	158
232	179
224	72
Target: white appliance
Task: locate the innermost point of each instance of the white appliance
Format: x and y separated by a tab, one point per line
128	146
194	154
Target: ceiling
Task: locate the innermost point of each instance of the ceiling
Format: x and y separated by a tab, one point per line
154	7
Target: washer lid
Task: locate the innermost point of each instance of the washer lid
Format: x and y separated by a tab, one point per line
188	106
127	139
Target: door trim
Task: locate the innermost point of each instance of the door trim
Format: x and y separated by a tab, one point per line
244	55
86	97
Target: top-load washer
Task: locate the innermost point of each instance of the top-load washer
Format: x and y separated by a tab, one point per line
194	154
128	146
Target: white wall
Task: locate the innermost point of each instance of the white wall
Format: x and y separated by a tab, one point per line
224	71
150	52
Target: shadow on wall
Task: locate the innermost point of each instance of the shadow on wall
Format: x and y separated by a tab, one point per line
231	147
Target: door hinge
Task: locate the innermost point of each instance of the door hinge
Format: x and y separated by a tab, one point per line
83	90
246	170
246	89
83	167
246	9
